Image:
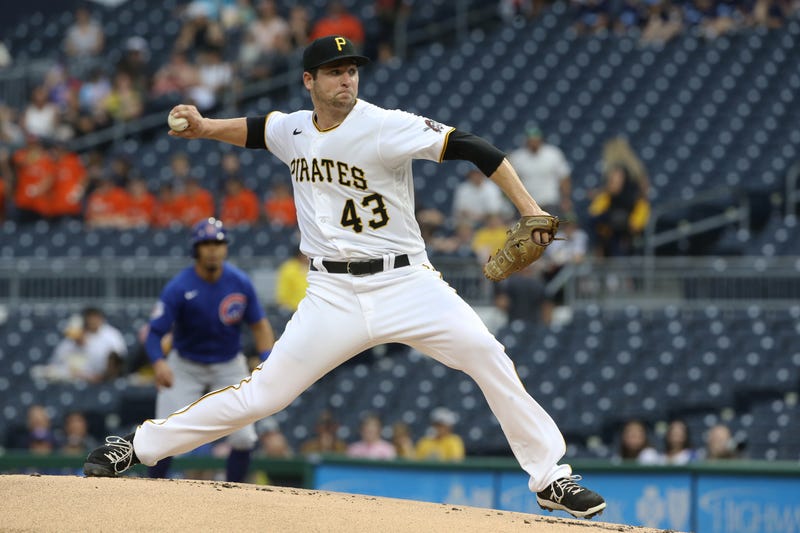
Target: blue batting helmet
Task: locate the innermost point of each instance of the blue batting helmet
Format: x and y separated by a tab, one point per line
208	230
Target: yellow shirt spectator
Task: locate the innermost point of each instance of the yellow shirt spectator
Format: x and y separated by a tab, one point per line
490	237
292	282
443	444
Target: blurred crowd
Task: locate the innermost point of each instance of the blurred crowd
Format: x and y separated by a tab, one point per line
656	22
635	444
221	46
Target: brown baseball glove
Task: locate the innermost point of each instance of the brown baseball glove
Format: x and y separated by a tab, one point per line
521	248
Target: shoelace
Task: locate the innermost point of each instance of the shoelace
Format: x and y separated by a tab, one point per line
119	450
567	485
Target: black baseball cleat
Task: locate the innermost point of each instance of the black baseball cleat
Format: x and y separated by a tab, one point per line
112	458
566	495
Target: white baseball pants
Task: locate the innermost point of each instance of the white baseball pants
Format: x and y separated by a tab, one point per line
343	315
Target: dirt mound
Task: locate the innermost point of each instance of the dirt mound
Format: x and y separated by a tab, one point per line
70	503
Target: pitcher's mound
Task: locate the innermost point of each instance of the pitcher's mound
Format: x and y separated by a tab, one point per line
69	503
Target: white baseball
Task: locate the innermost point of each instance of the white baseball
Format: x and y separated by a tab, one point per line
177	123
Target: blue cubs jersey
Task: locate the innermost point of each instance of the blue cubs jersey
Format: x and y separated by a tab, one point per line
205	318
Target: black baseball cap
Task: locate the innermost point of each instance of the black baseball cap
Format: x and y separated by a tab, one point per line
328	49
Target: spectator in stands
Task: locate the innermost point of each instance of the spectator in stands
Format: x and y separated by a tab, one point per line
120	169
140	204
291	281
664	23
771	14
93	93
279	206
239	205
85	37
402	441
617	152
489	237
34	170
677	444
629	17
200	32
299	26
230	167
181	170
371	445
270	42
720	444
325	440
338	21
39	439
197	203
173	81
169	207
106	206
66	193
544	171
430	219
69	356
457	244
441	443
76	439
215	78
105	346
57	85
135	63
619	214
41	116
634	444
591	16
74	121
272	442
477	197
124	102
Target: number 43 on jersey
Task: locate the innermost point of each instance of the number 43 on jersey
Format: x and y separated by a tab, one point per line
351	218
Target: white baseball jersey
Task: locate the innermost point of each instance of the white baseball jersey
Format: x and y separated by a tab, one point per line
339	212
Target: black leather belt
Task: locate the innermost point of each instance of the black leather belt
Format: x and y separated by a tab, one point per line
361	268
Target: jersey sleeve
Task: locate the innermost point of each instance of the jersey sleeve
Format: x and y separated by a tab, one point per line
406	136
274	135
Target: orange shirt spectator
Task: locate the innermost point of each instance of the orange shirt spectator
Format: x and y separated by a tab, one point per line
35	172
106	206
141	204
279	206
240	204
339	22
69	184
168	207
198	203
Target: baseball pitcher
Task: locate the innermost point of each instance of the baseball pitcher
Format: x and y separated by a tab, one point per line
370	281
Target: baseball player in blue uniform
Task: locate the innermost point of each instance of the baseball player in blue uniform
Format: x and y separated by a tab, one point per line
203	307
370	281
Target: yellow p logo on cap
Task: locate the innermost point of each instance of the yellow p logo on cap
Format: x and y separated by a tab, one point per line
340	42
